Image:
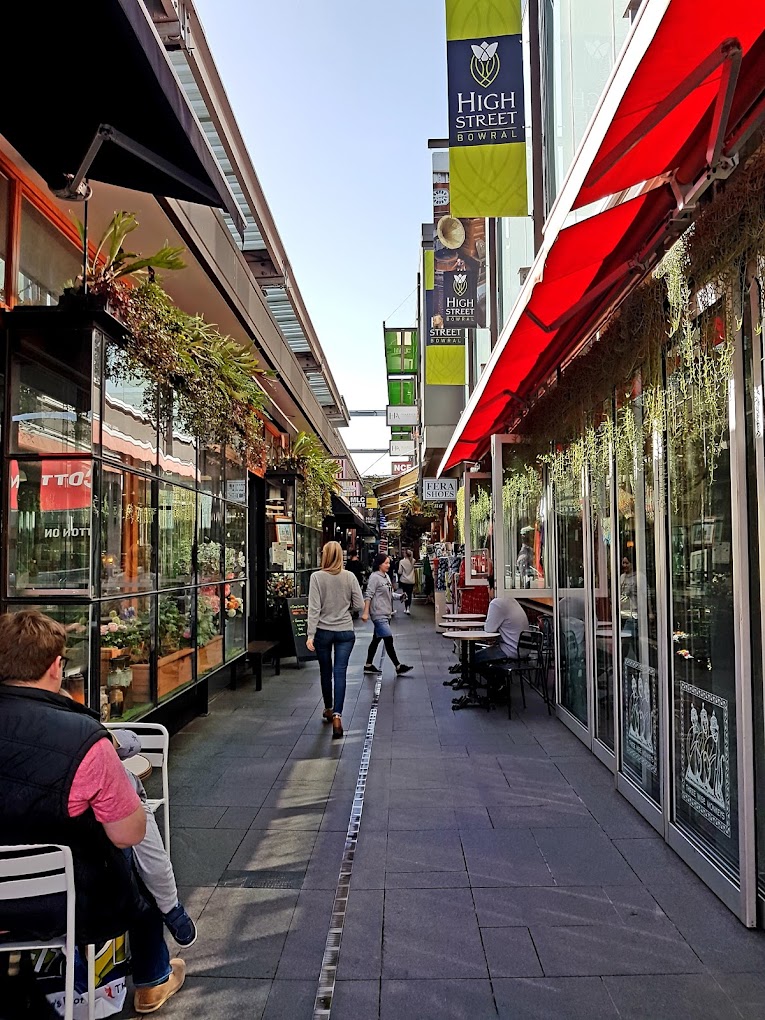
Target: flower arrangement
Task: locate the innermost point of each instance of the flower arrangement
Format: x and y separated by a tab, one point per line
279	586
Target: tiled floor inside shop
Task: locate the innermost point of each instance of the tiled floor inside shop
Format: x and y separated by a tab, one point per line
497	873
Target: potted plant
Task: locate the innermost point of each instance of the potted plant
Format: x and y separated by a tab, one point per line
209	637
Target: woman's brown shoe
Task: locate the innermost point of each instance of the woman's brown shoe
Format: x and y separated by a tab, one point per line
337	727
326	715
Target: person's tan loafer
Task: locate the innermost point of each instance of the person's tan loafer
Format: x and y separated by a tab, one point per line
149	1000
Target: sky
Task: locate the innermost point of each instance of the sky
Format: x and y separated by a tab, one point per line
336	100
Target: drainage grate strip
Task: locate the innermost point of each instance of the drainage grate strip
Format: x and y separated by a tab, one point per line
326	990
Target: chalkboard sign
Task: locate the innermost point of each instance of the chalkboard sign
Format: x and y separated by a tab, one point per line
298	615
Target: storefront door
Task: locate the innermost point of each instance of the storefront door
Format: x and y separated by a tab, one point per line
571	609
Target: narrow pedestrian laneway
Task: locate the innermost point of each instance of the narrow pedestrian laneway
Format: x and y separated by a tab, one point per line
497	871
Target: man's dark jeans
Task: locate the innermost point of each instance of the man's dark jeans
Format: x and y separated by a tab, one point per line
342	641
151	960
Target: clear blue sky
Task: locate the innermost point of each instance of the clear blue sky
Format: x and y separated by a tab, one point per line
336	100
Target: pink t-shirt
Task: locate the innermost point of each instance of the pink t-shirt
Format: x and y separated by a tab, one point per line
102	783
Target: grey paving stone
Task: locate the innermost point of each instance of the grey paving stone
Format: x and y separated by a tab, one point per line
510	952
583	857
361	947
434	817
288	1000
263	850
307	936
237	817
354	1000
428	850
425	880
436	1000
670	997
746	992
324	864
548	998
188	816
471	818
448	946
552	905
195	898
242	933
637	908
504	857
569	814
611	949
617	817
655	863
214	998
307	818
309	770
200	856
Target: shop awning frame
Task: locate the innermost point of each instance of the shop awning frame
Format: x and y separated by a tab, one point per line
724	116
134	129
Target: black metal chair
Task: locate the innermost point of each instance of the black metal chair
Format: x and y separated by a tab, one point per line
500	673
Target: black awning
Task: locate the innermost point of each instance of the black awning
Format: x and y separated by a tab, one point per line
74	76
344	515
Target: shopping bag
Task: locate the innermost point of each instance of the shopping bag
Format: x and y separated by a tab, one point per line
111	966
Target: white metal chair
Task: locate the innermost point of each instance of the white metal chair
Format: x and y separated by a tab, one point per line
46	870
155	746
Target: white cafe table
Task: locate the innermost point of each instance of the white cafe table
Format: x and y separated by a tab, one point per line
464	616
469	639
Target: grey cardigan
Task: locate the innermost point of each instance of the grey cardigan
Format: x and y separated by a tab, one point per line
331	598
380	593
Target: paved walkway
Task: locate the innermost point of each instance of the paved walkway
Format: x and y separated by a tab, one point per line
497	871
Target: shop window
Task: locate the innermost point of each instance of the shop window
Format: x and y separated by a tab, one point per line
236	621
49	523
76	622
47	261
129	433
126	628
236	477
50	410
178	451
236	540
127	520
571	603
177	526
523	520
211	609
210	539
701	569
4	200
211	470
175	651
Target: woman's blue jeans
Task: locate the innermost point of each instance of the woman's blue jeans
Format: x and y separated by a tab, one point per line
342	641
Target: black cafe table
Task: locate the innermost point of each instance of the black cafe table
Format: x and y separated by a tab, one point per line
469	639
448	627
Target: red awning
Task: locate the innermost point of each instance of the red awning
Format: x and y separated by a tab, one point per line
688	89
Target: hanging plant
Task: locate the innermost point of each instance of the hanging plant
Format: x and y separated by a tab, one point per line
318	468
522	493
206	380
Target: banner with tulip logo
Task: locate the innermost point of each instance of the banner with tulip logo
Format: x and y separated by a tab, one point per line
487	129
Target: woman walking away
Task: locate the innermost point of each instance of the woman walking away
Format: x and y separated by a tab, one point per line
406	579
378	603
333	595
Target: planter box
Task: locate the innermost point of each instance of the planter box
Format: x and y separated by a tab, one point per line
210	655
173	671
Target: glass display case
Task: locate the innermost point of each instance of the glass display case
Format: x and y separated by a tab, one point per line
126	529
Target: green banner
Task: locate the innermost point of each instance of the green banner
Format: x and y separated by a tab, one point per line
401	392
487	130
401	349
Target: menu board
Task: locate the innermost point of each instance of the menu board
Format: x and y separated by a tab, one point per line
298	614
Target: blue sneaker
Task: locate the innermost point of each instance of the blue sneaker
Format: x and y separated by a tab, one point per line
180	926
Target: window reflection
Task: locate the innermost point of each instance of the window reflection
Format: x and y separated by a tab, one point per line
127	517
129	434
46	259
177	523
210	536
234	607
49	526
50	409
523	517
571	604
178	451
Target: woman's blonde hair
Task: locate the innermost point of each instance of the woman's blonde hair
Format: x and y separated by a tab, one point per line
332	558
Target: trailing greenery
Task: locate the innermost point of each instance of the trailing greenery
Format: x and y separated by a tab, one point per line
415	518
206	381
318	468
521	493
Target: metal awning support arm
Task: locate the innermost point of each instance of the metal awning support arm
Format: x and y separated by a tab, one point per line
77	189
605	284
726	53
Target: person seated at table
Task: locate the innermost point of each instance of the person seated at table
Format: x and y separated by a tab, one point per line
507	618
63	783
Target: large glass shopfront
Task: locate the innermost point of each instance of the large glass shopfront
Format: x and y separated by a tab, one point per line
132	535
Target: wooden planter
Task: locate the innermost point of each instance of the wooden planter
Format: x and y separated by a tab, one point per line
210	655
173	671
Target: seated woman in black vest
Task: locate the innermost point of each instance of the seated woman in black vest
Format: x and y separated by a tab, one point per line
62	782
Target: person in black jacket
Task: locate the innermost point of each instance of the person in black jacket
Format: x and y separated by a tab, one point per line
62	782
